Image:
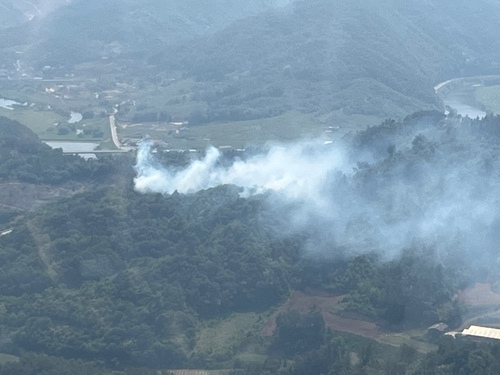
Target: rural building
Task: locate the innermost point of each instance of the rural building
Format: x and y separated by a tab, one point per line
437	330
477	333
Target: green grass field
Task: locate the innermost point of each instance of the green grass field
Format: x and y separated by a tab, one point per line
226	336
174	97
42	123
287	127
42	110
31	94
489	97
38	121
415	339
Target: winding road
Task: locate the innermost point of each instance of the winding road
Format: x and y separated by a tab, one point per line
112	127
442	84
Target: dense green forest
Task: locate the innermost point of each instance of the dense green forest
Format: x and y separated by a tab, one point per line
128	280
405	215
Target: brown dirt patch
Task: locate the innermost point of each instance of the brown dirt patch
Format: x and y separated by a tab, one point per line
356	327
328	305
479	295
484	303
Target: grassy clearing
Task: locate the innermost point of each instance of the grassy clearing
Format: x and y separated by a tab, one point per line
31	94
489	97
414	339
250	359
238	334
388	346
38	121
287	127
174	97
42	110
349	123
42	122
65	97
5	358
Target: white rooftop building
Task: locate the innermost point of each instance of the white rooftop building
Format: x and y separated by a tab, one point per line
478	332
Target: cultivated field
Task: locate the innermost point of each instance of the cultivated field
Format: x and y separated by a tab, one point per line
489	97
482	306
225	335
329	307
287	127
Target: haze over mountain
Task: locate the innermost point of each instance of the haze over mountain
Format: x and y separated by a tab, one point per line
261	58
134	25
300	228
375	57
14	13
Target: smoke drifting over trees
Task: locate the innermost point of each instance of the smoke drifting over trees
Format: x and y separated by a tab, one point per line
420	195
190	263
427	180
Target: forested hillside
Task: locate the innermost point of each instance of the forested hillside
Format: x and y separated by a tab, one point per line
316	57
331	255
372	58
23	157
127	279
86	30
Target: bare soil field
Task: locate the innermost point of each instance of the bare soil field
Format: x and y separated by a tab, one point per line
329	306
479	295
356	327
483	306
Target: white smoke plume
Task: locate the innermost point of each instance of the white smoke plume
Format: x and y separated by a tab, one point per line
440	190
297	171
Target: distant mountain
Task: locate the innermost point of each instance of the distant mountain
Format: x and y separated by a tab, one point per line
133	25
377	58
9	16
15	12
260	58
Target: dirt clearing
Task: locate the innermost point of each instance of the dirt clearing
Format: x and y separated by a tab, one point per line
329	307
483	306
479	295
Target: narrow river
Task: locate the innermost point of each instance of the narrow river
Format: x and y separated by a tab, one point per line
463	109
457	100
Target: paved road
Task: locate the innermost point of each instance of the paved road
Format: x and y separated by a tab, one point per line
94	152
442	84
114	134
